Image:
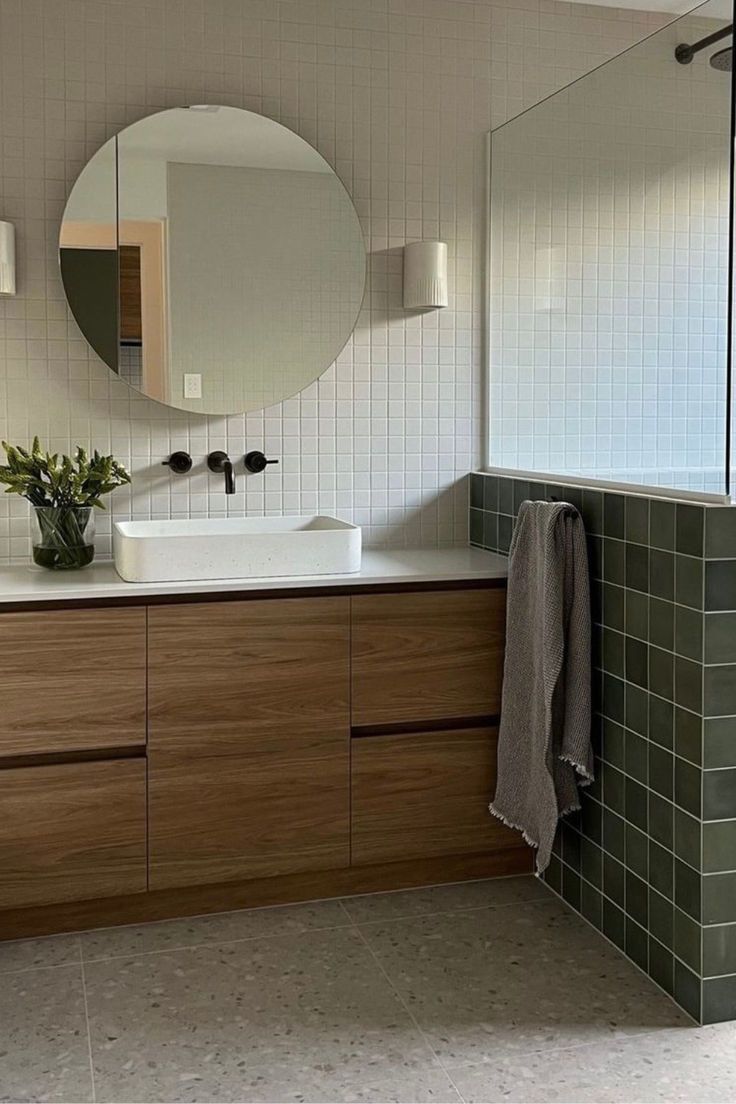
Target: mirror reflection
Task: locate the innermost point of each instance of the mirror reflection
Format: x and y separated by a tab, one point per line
213	259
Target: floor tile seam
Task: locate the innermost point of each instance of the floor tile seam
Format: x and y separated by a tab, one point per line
548	896
574	912
616	1039
253	910
212	944
34	969
89	1028
524	1052
420	1031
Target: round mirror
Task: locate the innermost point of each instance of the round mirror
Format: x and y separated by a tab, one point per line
213	259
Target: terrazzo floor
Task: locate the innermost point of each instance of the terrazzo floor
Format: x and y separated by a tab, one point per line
488	991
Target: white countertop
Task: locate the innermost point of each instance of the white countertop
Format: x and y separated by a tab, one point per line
27	583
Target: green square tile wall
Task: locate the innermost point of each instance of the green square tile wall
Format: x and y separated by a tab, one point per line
650	859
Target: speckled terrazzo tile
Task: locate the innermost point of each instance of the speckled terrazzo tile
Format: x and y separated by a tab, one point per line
200	1024
44	1053
446	898
691	1065
29	954
418	1086
220	928
491	981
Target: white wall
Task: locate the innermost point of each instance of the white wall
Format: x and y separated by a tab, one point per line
266	277
397	95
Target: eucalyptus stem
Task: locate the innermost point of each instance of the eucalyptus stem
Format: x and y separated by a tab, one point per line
64	492
46	480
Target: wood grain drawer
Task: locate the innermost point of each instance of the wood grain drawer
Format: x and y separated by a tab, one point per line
249	739
73	680
425	794
427	656
72	832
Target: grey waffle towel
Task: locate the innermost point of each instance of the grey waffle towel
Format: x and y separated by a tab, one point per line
544	746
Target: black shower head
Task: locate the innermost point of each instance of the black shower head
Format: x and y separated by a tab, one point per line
723	60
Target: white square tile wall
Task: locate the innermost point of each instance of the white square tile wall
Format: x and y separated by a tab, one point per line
610	215
397	95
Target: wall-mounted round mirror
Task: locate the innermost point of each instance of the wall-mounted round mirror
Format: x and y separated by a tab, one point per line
213	259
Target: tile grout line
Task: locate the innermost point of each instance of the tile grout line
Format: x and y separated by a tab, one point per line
269	935
453	911
258	908
202	946
356	928
39	966
86	1019
618	1040
622	952
250	938
622	908
623	1039
630	824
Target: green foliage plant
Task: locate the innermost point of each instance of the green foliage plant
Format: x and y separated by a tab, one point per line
63	490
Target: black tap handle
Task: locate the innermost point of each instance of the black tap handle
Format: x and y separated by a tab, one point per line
216	461
256	462
179	462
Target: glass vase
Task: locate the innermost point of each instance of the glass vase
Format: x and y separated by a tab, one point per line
63	538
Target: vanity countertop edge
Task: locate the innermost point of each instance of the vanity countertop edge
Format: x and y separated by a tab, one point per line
26	586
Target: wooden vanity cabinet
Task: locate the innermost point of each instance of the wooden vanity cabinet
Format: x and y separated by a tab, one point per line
249	739
73	680
426	680
193	756
428	656
425	794
250	770
72	755
72	831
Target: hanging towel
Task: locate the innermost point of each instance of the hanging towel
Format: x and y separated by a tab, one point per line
544	746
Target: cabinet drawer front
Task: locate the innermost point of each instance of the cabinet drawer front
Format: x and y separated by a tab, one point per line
273	667
73	680
249	739
72	832
425	794
427	656
247	815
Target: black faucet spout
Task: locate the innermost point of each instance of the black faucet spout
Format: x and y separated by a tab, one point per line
221	463
227	467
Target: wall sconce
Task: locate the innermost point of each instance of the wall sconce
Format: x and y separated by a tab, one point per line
425	274
7	258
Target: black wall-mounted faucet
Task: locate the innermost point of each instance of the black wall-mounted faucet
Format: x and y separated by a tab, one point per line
220	462
179	462
256	462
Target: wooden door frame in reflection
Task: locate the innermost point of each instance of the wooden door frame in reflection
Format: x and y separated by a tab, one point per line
149	235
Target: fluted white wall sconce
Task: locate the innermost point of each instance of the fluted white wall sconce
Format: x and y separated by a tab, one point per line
7	258
425	274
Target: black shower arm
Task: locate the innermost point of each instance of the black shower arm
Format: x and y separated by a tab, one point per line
685	52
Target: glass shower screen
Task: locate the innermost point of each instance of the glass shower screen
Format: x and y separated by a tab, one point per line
609	271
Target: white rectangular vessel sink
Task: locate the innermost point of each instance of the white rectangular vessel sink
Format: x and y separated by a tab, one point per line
234	548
